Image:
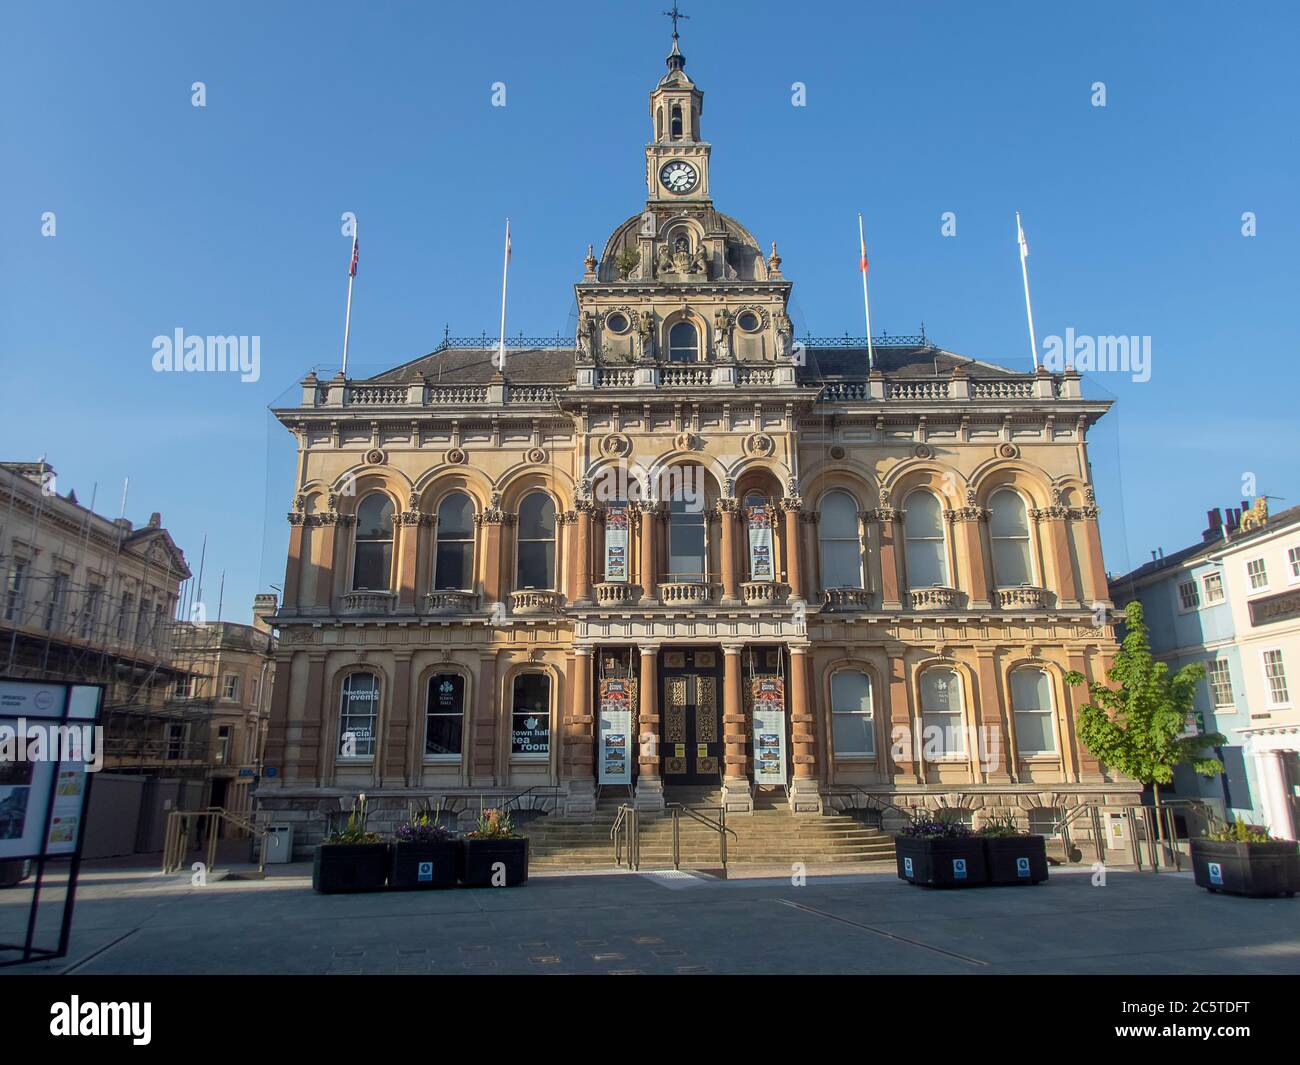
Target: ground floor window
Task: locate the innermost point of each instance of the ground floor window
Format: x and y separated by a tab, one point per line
358	712
1031	703
531	714
1045	821
445	722
852	719
941	713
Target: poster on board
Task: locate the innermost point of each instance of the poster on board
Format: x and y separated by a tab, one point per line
762	567
614	756
616	544
768	703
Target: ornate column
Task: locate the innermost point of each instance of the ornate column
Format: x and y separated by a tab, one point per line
397	732
736	796
728	509
483	754
492	520
909	769
333	542
582	587
567	520
579	739
967	523
649	785
293	567
406	526
1094	582
303	757
993	747
805	798
792	508
889	520
646	542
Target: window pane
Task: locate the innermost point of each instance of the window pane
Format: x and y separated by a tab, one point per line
839	517
445	714
1034	733
375	518
841	564
454	566
1031	690
926	564
1008	516
357	714
373	563
853	734
940	690
537	517
1011	562
851	691
456	518
682	343
922	515
536	564
531	713
943	733
686	544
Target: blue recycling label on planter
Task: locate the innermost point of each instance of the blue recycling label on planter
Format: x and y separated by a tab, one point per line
1216	873
907	866
425	871
1022	867
959	868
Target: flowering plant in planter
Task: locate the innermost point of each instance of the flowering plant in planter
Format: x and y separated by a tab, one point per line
494	854
1012	854
1237	832
940	852
923	826
1244	859
494	824
351	858
424	853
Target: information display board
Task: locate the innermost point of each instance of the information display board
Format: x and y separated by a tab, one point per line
614	758
616	544
761	564
768	703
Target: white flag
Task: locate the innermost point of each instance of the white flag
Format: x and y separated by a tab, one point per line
1020	236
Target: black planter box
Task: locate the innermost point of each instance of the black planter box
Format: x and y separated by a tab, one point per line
345	867
434	864
941	862
478	856
1253	869
1016	859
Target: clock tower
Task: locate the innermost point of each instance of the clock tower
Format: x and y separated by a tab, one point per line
677	160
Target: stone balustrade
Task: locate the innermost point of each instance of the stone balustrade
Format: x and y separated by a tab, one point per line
449	602
1023	597
616	593
685	593
535	602
368	603
846	599
763	593
934	599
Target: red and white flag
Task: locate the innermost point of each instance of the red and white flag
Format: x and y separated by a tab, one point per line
862	264
352	267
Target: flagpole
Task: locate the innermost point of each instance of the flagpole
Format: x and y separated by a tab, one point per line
1024	269
347	317
505	271
866	303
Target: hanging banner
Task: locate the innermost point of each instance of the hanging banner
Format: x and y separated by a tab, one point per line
614	758
616	544
761	564
767	696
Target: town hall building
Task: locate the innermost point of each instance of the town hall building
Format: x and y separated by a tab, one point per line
689	550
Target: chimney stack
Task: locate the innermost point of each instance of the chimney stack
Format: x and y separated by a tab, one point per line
1214	526
264	606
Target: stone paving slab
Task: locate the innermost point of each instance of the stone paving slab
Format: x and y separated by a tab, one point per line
866	921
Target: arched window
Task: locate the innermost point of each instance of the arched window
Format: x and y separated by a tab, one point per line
683	343
687	538
536	561
926	551
659	123
1031	705
531	714
453	568
941	713
1009	533
358	714
372	563
444	715
852	713
676	121
841	545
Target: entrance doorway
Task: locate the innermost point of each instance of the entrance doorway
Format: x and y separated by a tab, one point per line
690	695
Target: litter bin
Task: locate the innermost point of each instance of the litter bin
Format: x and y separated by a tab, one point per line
277	844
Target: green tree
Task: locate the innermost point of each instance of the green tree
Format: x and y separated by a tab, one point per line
1136	727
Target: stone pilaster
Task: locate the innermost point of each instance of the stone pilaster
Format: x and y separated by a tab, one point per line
579	739
736	794
649	784
805	797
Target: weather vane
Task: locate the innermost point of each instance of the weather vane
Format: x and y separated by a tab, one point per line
674	14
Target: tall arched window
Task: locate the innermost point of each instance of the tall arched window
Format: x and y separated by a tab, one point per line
683	343
530	711
676	121
941	712
687	539
852	716
358	715
445	716
841	545
1031	705
372	563
453	568
535	567
926	550
1009	533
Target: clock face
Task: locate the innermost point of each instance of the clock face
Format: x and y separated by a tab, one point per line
678	176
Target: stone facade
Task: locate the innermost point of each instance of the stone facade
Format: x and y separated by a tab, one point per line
690	496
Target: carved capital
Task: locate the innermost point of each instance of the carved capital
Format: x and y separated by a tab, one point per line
296	517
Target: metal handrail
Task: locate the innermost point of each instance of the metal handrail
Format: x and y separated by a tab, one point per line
720	826
627	826
177	836
857	789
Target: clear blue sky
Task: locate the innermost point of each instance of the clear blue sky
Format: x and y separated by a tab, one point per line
225	219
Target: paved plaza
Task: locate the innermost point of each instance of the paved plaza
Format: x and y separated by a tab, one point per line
134	920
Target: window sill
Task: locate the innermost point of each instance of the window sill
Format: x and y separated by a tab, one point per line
531	757
345	762
442	759
854	757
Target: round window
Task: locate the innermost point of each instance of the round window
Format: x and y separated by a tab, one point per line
748	321
616	323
